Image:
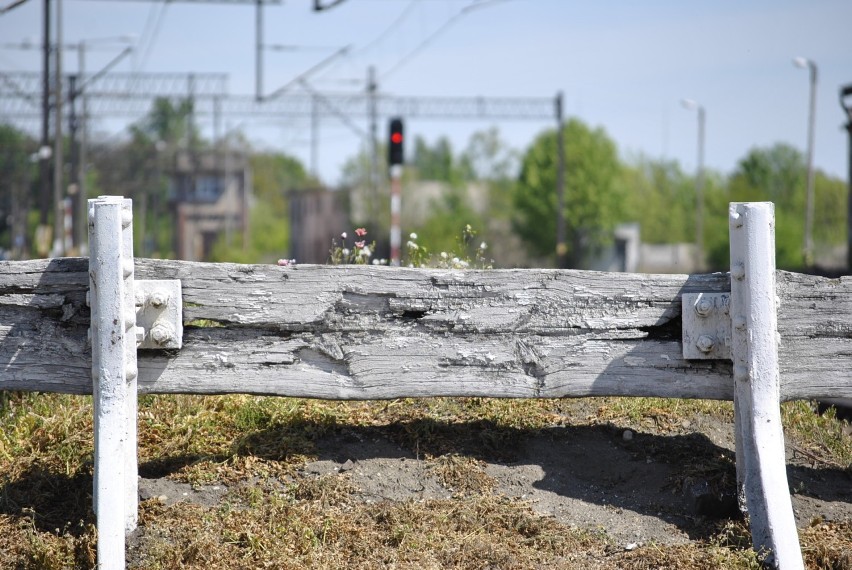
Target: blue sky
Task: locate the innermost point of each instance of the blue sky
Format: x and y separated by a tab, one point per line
622	65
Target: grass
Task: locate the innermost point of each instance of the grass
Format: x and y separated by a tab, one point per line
274	515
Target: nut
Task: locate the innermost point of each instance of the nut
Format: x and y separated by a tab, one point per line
705	343
163	333
703	306
159	298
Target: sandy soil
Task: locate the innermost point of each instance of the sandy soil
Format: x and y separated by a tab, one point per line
636	486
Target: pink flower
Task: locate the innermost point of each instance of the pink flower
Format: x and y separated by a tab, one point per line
360	244
360	232
286	262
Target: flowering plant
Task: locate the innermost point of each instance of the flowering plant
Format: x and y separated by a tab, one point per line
358	254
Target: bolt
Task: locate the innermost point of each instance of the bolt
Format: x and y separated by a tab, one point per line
705	343
736	220
163	333
126	218
159	298
89	335
130	373
139	298
88	298
140	335
740	322
703	306
91	216
738	271
127	267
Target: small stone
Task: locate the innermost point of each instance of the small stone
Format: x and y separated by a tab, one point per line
162	498
348	466
686	424
631	546
627	435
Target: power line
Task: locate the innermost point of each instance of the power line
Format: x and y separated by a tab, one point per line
399	20
425	43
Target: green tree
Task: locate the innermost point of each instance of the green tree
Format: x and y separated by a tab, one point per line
16	173
274	176
436	162
661	198
776	174
593	198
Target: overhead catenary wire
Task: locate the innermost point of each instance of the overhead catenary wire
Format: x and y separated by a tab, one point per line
436	34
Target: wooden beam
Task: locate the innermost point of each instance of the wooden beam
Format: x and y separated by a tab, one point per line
379	332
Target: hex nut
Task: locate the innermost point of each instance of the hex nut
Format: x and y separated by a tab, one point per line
159	299
163	333
705	343
704	306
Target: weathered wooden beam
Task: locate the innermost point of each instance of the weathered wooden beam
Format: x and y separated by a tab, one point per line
379	332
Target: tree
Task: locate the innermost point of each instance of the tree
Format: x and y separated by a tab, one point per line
776	174
593	198
16	173
274	176
436	162
661	198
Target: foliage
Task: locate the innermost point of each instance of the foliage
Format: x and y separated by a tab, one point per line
436	162
468	252
447	218
16	173
662	198
274	175
359	253
593	199
170	122
776	174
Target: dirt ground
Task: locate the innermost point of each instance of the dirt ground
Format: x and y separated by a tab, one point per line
635	485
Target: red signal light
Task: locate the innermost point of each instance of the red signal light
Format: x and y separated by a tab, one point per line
396	138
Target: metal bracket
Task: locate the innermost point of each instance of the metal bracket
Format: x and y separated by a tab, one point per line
159	313
706	328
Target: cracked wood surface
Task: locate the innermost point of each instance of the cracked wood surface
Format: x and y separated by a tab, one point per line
377	332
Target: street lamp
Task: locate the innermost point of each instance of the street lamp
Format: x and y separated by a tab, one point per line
803	63
699	184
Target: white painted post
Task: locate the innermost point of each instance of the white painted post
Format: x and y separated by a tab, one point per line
112	328
761	465
131	466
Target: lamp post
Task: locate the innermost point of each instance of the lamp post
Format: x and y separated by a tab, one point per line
802	62
846	104
699	184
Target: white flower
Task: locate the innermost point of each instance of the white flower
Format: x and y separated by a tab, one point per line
343	235
464	263
413	235
345	251
375	262
455	260
443	255
411	245
411	265
365	251
483	246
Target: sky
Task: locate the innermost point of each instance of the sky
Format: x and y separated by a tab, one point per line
624	66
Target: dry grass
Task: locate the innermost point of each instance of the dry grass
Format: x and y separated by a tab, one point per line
275	516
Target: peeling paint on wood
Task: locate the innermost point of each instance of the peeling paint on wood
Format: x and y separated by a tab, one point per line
379	332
